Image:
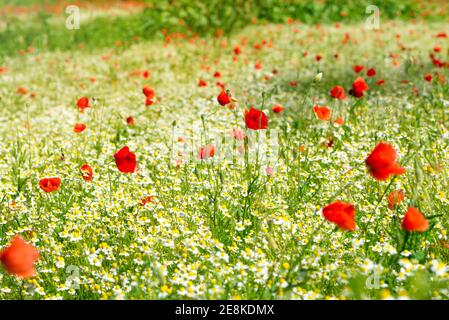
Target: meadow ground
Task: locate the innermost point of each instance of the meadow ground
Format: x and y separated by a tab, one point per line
246	219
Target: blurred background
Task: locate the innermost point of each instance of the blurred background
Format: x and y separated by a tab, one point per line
32	24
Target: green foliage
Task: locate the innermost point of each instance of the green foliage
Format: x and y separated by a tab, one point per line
198	17
227	15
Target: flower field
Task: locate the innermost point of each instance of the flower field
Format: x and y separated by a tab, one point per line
282	160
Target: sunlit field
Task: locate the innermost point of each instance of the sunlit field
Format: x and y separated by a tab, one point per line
281	156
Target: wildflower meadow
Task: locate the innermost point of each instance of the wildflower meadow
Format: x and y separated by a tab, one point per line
224	149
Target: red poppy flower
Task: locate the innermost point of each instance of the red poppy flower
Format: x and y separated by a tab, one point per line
322	113
339	121
428	77
394	198
358	88
382	162
415	221
358	68
130	120
79	127
338	93
22	90
148	92
19	257
371	72
277	108
83	103
125	160
237	50
148	102
318	58
342	214
146	200
87	172
436	62
50	184
255	119
441	35
217	74
223	98
206	152
360	85
146	74
202	83
380	82
258	65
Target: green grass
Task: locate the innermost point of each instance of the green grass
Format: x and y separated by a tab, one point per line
47	32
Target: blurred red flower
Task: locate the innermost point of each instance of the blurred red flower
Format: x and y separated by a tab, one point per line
382	162
19	257
22	90
148	102
322	113
50	184
339	121
130	120
79	127
277	108
371	72
206	152
83	103
255	119
338	93
358	68
125	160
359	86
146	200
415	221
223	98
87	172
394	198
148	92
342	214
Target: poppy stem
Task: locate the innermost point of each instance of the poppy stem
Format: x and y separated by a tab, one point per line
365	229
406	238
297	262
